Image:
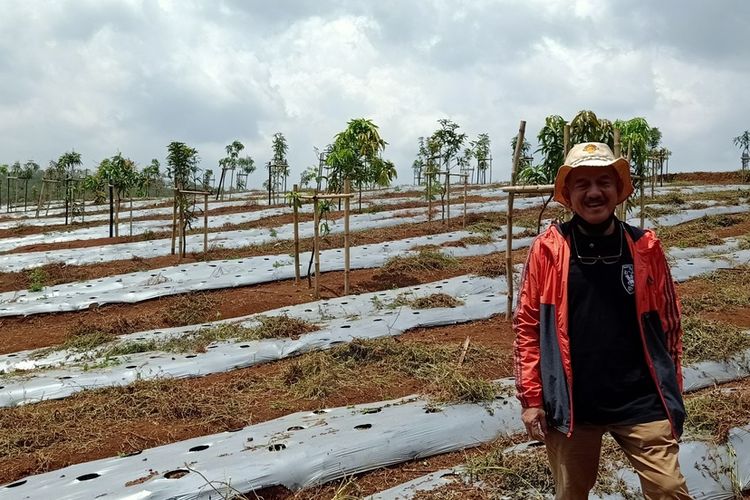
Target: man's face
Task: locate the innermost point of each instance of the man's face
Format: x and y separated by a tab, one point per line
592	192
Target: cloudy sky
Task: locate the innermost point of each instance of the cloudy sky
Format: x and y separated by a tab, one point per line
100	76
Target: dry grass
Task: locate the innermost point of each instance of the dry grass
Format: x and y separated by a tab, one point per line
425	260
705	340
191	309
89	420
481	239
431	301
321	373
435	300
526	474
711	413
491	267
727	289
729	197
699	232
197	341
656	212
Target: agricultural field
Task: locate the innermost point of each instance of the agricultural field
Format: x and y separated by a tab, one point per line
128	371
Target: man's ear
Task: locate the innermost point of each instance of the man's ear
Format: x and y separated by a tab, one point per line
566	195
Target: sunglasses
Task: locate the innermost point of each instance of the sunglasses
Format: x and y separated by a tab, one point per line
606	259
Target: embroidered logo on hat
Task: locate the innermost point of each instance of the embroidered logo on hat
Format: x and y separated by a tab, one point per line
590	148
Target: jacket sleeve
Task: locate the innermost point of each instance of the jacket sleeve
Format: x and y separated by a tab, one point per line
670	311
526	351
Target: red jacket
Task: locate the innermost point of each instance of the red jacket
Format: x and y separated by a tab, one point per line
544	377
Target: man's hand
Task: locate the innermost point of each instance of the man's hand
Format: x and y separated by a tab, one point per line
535	420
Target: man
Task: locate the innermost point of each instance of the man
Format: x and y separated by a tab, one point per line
598	336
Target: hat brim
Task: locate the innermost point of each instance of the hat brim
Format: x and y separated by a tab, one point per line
621	166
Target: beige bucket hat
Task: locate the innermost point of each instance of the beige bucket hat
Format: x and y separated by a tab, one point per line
593	154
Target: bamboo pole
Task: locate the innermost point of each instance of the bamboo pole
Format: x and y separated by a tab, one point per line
537	189
509	232
181	233
448	195
429	199
131	216
205	223
347	190
316	247
174	220
295	211
466	188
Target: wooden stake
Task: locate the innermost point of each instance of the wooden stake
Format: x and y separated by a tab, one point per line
429	199
131	216
464	350
466	188
347	190
448	194
295	211
316	247
174	220
509	232
205	223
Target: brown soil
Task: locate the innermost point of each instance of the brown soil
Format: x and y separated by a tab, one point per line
273	221
43	330
734	177
59	274
181	409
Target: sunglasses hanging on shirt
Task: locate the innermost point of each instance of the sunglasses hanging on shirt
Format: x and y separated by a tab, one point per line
604	259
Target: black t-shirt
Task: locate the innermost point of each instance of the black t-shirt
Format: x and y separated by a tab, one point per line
611	380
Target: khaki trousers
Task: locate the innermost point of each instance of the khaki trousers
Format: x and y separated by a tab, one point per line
650	448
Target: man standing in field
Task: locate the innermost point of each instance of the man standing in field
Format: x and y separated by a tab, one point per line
598	336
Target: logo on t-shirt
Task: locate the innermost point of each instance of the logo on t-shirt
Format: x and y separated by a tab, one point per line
628	278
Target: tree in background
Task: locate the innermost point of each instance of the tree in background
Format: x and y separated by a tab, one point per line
742	141
308	175
3	179
356	154
151	174
231	162
448	141
551	147
182	168
481	147
27	172
121	173
279	166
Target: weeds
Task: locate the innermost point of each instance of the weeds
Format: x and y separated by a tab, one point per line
727	288
699	232
431	301
37	279
425	260
322	373
713	412
519	475
711	340
191	309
